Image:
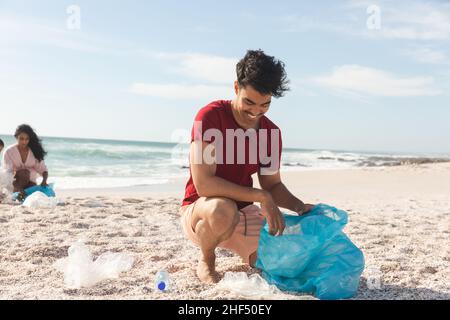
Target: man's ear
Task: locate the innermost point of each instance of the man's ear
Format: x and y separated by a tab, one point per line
236	87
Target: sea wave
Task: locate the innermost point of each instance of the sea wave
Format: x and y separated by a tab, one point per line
93	163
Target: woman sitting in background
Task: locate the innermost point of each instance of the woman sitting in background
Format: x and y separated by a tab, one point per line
25	159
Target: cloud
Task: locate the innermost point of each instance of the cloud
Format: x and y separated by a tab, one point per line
427	55
22	32
181	91
365	81
211	68
199	66
216	75
410	20
423	22
298	23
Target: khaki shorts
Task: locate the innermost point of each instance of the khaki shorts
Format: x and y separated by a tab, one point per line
245	238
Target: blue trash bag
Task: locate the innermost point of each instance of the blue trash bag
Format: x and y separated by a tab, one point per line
312	256
47	190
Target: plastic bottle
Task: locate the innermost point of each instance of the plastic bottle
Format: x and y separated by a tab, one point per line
162	280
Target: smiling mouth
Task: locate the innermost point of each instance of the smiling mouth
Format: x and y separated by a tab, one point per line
251	116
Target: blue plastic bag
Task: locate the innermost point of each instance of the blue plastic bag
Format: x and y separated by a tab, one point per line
47	190
312	256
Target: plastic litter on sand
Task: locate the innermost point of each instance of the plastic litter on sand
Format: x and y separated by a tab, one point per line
81	271
162	281
254	287
39	200
6	182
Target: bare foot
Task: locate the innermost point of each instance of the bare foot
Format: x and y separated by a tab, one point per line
206	271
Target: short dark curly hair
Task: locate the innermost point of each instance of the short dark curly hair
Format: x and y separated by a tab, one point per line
2	144
264	73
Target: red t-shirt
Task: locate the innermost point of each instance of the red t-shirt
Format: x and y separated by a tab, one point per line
218	115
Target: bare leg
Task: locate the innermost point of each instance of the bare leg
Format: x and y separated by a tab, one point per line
21	180
214	220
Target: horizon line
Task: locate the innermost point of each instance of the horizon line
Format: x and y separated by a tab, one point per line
286	148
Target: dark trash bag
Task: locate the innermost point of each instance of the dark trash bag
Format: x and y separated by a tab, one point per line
312	256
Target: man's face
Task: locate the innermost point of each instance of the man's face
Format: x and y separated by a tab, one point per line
1	148
250	105
23	139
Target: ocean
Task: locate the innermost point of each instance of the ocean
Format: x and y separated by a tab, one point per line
94	163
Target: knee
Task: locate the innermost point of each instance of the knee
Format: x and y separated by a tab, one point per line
223	215
22	177
22	174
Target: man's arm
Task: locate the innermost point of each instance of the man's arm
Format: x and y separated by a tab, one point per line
208	184
281	195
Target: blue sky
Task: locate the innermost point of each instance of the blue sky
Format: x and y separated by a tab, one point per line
140	70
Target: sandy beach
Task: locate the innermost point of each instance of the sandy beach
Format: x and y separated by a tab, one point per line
398	216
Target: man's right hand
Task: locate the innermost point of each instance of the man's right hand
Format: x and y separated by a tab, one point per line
274	216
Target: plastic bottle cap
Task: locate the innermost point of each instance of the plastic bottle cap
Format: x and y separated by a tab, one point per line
161	286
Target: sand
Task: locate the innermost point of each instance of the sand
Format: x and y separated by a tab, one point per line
398	216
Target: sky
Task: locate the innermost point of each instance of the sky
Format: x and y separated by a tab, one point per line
364	75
